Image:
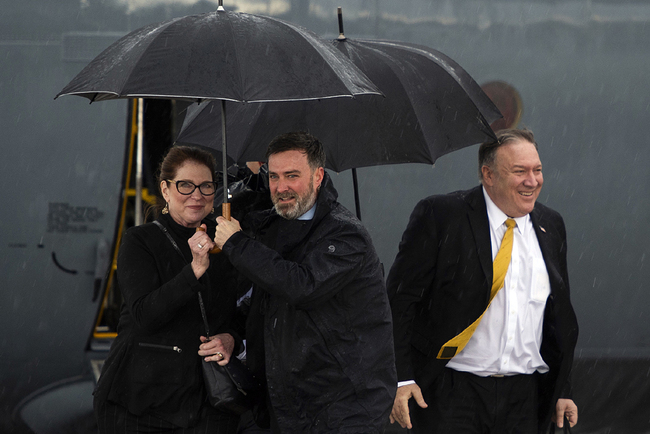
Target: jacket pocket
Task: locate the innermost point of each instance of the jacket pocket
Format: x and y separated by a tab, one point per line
161	347
158	363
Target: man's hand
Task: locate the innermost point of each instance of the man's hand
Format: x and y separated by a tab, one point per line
225	229
400	411
566	407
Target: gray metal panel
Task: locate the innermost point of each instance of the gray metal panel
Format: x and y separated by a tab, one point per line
61	176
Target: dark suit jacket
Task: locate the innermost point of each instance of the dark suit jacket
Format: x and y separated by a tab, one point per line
440	283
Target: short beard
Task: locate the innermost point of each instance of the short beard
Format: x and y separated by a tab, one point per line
302	205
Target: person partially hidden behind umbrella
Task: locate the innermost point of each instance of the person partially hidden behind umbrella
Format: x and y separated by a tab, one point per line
152	379
319	331
466	365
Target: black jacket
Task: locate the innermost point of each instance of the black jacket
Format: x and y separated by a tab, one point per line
441	279
321	315
153	365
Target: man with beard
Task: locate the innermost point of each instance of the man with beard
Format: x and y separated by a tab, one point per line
319	331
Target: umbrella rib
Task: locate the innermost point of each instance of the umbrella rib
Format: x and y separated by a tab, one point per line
330	59
316	98
425	53
240	77
157	30
449	67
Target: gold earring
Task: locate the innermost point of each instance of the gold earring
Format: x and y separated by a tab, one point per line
165	210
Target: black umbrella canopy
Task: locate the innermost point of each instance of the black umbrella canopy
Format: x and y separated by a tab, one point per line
220	55
432	106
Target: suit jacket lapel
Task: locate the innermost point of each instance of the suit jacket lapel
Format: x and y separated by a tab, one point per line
477	215
546	245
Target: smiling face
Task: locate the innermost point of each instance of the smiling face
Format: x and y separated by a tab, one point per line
293	183
188	210
515	180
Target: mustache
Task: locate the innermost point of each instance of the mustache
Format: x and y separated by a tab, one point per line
285	195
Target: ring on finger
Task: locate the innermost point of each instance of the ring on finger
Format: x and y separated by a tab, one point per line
220	355
200	246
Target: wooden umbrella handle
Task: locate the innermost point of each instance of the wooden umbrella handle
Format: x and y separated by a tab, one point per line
225	212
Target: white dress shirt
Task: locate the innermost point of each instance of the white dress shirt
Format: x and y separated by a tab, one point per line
508	339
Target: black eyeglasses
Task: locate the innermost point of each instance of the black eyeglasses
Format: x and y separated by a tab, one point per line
187	187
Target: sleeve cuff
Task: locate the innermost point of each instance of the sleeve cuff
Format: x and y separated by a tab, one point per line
405	383
190	278
234	240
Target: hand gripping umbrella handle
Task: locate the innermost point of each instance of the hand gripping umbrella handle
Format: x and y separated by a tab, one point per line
225	212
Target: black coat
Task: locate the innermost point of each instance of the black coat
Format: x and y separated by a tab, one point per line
441	280
143	371
321	315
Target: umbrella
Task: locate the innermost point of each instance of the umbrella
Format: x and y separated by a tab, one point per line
432	106
223	56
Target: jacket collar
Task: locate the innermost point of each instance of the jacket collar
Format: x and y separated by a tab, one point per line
547	244
478	219
326	199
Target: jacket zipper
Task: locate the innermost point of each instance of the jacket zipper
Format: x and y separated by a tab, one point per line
162	347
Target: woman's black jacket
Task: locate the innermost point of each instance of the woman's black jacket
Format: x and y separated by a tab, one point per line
153	365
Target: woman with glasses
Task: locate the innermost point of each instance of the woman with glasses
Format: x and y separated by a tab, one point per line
152	379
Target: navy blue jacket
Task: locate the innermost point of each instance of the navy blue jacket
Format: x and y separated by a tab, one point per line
320	315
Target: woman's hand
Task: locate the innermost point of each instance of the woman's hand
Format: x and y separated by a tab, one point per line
217	348
200	245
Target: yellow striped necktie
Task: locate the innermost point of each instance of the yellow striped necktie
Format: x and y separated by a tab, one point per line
499	270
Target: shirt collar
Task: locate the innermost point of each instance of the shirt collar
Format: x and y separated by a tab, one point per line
309	214
496	217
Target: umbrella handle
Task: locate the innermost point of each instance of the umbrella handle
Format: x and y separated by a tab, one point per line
225	212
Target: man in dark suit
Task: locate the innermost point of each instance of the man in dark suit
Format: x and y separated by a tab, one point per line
470	368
